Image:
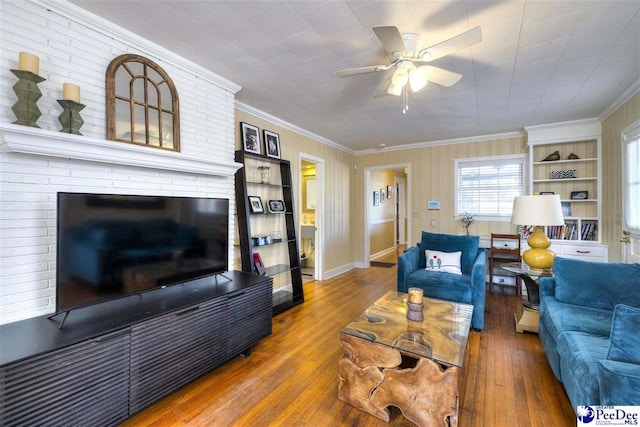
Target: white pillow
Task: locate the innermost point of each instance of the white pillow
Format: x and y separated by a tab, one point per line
445	262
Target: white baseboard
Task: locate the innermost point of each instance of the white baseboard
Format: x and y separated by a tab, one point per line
360	264
382	253
338	271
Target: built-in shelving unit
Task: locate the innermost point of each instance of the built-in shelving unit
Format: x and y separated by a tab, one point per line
281	257
582	215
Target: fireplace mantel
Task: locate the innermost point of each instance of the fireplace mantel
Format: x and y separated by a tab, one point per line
41	142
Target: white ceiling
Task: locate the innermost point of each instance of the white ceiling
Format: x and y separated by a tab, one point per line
539	61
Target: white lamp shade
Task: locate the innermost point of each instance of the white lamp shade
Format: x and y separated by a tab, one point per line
394	89
537	210
399	77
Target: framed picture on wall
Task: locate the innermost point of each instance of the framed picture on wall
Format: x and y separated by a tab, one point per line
389	191
376	198
271	144
250	138
382	195
256	204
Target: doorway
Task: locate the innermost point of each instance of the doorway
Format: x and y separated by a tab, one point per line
386	222
311	216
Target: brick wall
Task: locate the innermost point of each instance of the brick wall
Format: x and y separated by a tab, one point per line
79	51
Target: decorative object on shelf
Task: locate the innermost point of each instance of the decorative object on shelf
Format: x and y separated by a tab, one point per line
376	198
258	264
543	193
27	90
277	236
264	174
573	156
261	240
465	221
539	211
276	206
70	118
552	157
571	173
382	195
256	204
525	231
389	192
566	209
271	144
579	195
250	138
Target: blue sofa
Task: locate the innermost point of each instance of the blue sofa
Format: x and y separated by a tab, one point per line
100	250
467	288
590	330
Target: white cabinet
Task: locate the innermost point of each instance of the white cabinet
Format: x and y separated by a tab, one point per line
576	177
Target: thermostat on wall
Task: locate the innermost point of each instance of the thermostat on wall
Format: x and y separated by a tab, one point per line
433	205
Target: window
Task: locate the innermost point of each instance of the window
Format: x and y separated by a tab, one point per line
142	104
631	183
486	186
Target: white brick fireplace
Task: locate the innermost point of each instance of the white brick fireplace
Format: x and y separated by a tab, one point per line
35	164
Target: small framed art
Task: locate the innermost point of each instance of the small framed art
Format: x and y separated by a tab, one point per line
256	204
389	191
276	206
271	144
382	195
376	198
250	138
579	195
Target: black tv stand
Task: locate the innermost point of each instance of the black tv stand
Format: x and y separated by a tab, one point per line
114	359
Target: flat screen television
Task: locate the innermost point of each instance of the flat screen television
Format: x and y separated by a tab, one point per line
110	246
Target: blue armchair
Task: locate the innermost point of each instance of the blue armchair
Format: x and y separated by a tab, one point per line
467	288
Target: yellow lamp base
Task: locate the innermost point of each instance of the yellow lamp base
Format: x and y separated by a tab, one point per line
539	257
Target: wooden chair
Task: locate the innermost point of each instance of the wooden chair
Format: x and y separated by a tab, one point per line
505	248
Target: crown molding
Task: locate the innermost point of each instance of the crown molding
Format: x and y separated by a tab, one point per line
277	121
94	22
626	95
574	130
464	140
41	142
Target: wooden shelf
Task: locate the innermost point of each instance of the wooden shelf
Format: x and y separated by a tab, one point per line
590	159
591	178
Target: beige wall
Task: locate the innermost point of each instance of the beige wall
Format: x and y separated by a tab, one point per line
612	127
431	178
338	243
381	217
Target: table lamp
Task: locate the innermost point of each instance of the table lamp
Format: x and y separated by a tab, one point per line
538	211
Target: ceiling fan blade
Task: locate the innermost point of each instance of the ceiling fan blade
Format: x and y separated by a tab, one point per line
391	39
440	76
361	70
454	44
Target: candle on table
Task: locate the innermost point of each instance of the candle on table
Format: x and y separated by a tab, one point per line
28	62
415	295
71	92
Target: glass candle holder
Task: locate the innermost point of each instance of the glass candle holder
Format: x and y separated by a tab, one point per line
264	174
416	295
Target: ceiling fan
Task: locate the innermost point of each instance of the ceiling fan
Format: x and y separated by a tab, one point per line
407	57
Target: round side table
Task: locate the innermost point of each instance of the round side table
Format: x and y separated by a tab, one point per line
527	315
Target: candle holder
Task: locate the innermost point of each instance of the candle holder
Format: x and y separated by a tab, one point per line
415	312
70	118
28	92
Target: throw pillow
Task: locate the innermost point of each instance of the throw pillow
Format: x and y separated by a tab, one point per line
444	262
624	344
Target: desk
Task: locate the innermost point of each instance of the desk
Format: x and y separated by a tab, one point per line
527	315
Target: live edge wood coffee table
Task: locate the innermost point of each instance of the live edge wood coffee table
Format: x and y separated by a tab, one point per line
415	366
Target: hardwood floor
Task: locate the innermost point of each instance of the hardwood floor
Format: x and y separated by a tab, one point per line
291	377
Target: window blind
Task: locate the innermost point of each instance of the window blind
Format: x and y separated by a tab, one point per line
632	185
487	187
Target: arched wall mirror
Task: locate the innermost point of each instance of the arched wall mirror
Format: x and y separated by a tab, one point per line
142	104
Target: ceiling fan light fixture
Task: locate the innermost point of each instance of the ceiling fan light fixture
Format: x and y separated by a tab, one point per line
417	80
394	90
399	77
